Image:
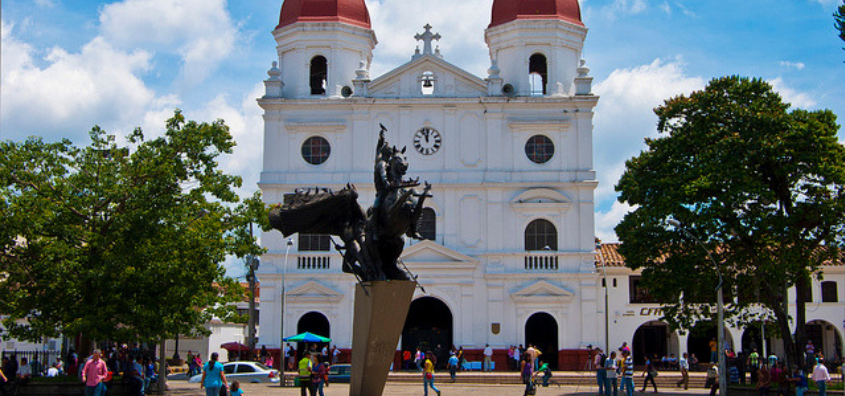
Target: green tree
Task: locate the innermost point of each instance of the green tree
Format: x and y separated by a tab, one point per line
119	242
762	186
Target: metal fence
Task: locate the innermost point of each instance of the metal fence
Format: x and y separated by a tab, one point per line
45	358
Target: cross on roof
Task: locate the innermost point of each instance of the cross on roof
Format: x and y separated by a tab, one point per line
426	39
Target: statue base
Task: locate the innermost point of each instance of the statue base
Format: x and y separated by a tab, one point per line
377	326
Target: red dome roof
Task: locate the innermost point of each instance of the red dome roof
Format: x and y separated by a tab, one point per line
510	10
353	12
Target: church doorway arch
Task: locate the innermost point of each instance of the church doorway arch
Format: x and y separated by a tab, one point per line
428	325
315	323
541	331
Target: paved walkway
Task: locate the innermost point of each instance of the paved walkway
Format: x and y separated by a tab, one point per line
181	388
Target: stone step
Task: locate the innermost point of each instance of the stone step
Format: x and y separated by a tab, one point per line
666	380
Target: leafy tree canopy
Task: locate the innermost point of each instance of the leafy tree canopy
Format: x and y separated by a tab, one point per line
120	242
762	186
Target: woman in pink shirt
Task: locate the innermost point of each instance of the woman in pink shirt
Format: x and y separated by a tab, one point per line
93	375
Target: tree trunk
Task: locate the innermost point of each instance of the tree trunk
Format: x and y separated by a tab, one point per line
162	369
802	291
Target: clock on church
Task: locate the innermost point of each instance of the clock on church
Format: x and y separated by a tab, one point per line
427	141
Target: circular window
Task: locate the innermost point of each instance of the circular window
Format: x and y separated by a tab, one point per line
539	149
316	150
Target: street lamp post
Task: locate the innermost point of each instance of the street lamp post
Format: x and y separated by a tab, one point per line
720	310
282	357
606	312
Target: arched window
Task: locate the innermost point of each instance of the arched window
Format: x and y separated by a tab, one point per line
540	235
538	74
427	226
319	75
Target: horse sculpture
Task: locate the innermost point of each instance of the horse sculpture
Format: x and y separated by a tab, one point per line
372	240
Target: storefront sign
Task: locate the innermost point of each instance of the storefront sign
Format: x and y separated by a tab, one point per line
651	311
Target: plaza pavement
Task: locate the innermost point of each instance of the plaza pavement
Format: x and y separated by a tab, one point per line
182	388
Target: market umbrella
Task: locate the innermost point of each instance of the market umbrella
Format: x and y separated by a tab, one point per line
233	346
307	337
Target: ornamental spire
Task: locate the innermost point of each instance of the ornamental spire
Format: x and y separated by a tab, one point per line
426	38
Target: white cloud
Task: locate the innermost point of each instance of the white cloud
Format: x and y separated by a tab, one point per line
797	99
607	221
686	10
462	29
201	32
666	8
792	65
46	3
246	125
624	117
624	7
72	91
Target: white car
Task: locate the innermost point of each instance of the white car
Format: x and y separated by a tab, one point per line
245	372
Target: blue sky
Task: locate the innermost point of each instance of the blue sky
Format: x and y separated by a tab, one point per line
68	65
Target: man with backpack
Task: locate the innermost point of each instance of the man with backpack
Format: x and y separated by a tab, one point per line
601	373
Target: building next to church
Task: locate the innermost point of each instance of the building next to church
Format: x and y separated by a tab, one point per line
509	252
509	255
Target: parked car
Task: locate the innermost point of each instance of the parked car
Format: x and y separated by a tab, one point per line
340	373
245	372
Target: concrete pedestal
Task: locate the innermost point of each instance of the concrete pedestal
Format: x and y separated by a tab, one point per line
377	325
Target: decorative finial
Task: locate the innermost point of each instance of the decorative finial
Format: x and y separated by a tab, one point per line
583	70
274	72
426	38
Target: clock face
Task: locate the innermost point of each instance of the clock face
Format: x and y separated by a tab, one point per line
427	141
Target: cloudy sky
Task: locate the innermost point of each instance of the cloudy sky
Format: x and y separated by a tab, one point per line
70	64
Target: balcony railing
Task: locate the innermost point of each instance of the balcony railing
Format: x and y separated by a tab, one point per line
313	262
541	262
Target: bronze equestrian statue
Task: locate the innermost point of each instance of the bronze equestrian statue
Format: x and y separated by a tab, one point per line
372	240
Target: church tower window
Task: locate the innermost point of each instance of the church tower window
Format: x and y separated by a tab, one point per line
539	149
540	235
427	81
427	225
319	75
538	74
316	150
314	243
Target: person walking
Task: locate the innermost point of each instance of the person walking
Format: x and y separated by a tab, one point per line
213	377
319	375
683	365
610	368
628	372
821	376
418	359
650	373
714	348
713	378
428	374
93	375
526	371
800	380
306	387
488	358
452	364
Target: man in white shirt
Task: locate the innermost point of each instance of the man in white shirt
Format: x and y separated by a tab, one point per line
52	371
335	355
683	365
821	376
488	358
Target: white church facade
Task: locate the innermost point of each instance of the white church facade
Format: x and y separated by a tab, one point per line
509	256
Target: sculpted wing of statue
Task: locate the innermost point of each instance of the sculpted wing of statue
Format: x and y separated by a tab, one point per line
373	241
